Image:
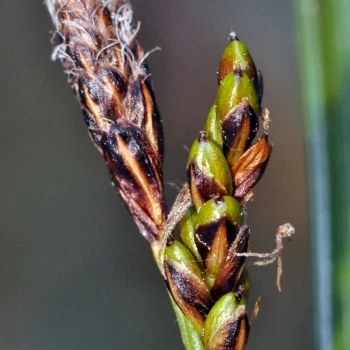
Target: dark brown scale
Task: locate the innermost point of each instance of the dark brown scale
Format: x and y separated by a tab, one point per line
133	165
96	37
157	120
191	294
116	88
239	129
104	102
260	86
207	237
102	18
237	333
83	56
119	168
91	85
95	133
115	77
134	104
230	272
207	186
189	291
232	125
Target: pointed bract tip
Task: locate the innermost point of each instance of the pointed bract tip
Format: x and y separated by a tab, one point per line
202	136
233	36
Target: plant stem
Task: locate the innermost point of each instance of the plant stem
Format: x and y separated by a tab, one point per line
324	56
190	337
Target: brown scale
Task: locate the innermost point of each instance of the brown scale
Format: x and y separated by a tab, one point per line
189	292
133	166
251	166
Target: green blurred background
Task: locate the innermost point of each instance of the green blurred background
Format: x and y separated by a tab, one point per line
74	272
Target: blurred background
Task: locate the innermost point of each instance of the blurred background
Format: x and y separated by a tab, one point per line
74	272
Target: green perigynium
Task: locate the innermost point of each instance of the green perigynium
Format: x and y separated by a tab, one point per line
208	172
227	324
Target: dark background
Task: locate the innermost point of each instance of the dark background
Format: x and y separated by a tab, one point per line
74	272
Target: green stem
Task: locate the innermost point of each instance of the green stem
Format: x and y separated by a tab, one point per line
324	27
190	337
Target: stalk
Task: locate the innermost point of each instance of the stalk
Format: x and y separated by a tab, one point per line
324	62
203	267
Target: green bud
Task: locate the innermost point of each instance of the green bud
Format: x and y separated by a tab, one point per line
227	325
217	224
213	127
186	230
237	53
208	173
233	88
185	283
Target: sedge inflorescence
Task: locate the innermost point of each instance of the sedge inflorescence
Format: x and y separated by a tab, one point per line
204	268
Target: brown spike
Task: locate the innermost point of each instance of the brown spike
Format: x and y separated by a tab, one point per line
99	49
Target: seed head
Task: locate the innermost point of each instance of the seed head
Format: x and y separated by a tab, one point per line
107	70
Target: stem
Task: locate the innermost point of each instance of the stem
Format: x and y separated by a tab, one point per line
189	335
324	56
